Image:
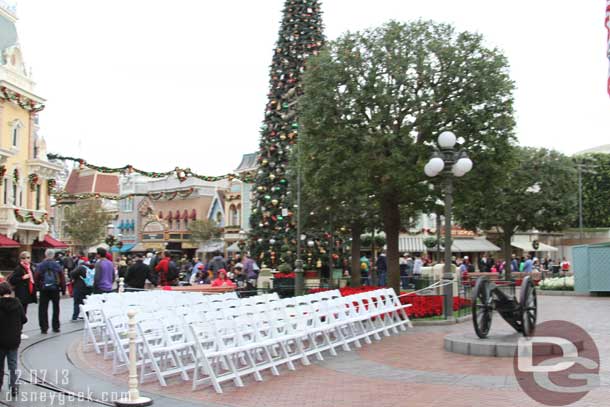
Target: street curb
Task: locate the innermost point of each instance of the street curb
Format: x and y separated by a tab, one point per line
442	322
562	293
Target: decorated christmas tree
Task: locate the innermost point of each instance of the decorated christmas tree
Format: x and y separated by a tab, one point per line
273	235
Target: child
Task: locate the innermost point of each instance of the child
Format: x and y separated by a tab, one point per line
12	319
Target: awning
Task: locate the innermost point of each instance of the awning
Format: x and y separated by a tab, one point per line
6	242
234	248
177	216
139	247
528	247
124	249
473	246
415	244
49	242
93	249
185	214
212	247
411	244
193	214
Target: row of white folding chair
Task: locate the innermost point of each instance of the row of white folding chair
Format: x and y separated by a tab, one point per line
304	329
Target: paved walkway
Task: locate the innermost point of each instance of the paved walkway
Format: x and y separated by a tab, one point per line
410	369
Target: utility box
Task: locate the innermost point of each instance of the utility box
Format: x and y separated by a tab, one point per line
591	268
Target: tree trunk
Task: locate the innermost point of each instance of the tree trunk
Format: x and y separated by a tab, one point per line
391	224
508	234
355	274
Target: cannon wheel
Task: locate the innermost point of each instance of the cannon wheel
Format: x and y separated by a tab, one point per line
482	307
529	307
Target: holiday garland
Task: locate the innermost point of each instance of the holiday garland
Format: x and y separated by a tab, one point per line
51	184
33	181
23	101
152	195
181	173
30	216
2	173
16	176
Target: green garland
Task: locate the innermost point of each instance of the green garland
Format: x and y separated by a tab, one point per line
23	101
33	180
60	196
181	173
29	216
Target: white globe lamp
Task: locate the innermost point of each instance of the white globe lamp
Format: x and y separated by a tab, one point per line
436	165
446	140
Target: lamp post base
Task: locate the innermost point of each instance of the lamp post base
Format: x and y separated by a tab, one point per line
139	402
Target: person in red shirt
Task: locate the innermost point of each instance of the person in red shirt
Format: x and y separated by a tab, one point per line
162	268
222	280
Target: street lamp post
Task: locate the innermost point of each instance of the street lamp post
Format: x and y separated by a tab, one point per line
449	163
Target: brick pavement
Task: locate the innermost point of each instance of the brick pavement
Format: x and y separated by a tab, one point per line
410	369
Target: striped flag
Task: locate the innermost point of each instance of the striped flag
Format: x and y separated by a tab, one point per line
608	28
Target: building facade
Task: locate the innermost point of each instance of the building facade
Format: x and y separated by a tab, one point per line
26	176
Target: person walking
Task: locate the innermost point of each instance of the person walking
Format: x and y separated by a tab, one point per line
83	277
22	280
50	281
216	264
12	319
418	264
528	266
137	274
162	269
104	273
365	267
382	269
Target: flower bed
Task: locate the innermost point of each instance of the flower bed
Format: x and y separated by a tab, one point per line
558	283
422	305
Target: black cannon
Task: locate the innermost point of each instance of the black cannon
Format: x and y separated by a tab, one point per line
487	298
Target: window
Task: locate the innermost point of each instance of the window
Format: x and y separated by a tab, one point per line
15	135
37	197
234	216
218	218
5	191
127	204
14	194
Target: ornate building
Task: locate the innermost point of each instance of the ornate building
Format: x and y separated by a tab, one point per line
26	176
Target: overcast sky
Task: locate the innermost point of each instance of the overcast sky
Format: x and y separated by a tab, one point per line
159	84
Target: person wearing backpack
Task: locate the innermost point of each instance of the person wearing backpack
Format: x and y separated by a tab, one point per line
82	282
104	273
50	282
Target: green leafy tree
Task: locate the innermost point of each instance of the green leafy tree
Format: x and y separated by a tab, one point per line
272	216
203	230
538	192
596	190
380	98
86	223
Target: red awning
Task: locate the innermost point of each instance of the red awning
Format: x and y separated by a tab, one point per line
6	242
170	216
185	214
177	215
49	242
194	214
160	214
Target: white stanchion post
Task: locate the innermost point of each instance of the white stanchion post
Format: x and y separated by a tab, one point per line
122	285
134	398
